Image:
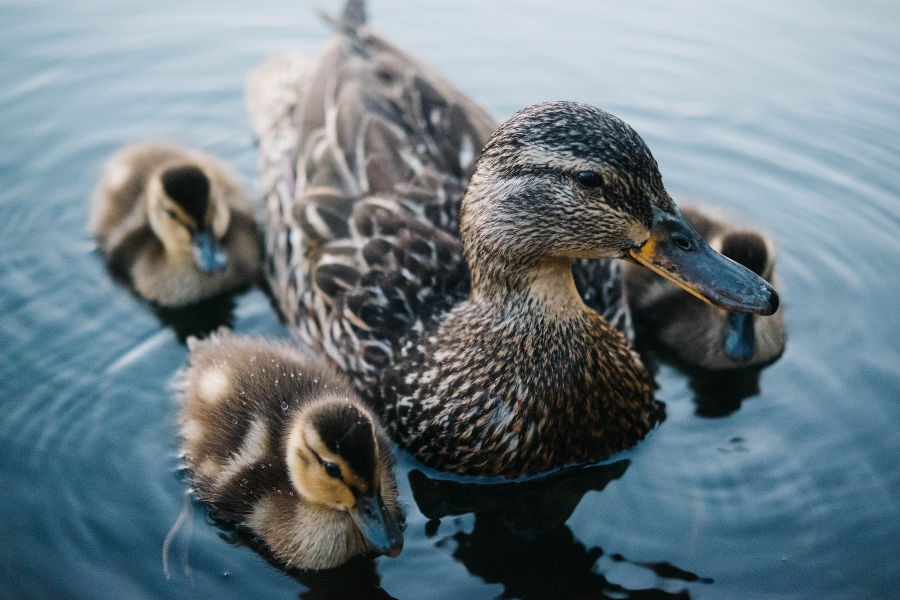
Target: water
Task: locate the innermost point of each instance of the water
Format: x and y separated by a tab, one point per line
787	116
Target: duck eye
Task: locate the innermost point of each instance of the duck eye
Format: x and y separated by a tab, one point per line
332	469
171	213
589	179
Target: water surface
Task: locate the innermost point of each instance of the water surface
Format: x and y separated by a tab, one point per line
785	116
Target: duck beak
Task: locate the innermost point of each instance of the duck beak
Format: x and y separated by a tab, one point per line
740	340
208	254
377	525
678	253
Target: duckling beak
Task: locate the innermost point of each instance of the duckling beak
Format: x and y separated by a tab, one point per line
377	525
678	253
208	254
740	340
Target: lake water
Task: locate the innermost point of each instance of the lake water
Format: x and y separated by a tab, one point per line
784	114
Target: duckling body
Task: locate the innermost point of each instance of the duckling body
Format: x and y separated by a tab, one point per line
280	443
701	335
441	281
174	224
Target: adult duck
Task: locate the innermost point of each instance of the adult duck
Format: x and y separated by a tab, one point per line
440	279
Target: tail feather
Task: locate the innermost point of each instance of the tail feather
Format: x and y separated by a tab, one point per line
352	18
354	15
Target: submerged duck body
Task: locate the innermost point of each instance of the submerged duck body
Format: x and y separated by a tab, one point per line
442	281
174	224
701	335
281	444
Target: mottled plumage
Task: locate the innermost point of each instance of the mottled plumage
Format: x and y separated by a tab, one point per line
442	281
280	443
695	332
174	224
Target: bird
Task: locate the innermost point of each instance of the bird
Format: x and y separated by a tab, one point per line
698	334
279	443
429	255
174	224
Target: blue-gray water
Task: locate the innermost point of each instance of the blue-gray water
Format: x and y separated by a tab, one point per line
784	114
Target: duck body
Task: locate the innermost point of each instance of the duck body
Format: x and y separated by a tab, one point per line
502	385
174	224
696	333
281	444
440	278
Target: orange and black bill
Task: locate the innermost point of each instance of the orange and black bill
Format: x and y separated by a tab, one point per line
678	253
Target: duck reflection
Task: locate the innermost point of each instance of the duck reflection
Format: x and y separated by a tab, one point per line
520	538
198	319
716	393
357	579
720	393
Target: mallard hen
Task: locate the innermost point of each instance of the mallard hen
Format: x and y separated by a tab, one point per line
440	277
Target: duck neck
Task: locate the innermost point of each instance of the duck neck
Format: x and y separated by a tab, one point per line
545	286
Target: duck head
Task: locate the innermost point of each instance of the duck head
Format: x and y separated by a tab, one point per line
334	460
566	180
187	217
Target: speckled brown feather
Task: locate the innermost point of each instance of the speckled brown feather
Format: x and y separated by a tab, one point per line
363	215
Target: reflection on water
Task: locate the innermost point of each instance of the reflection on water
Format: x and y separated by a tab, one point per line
720	394
715	393
520	539
527	508
197	319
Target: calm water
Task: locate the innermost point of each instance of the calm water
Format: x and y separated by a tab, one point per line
786	116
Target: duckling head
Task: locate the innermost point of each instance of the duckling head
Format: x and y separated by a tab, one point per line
566	180
333	458
751	250
186	218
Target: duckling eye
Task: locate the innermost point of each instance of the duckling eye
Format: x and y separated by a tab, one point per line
589	179
171	213
332	469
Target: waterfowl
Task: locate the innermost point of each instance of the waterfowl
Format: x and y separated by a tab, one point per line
697	333
280	443
440	280
174	224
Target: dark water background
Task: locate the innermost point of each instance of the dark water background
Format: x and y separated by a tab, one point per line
785	114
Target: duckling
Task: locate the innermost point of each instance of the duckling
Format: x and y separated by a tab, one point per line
174	224
701	335
281	444
441	280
